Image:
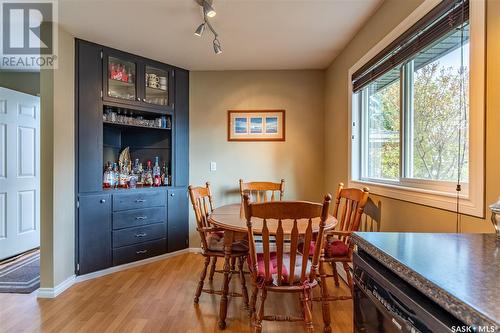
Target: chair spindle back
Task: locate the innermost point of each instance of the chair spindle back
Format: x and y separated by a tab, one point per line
281	219
349	206
201	199
261	190
372	216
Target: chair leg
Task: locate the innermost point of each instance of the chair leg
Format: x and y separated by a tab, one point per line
243	282
257	328
305	300
348	274
233	264
212	269
335	274
202	280
325	305
253	301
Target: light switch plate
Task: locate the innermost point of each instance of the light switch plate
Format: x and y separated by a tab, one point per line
213	166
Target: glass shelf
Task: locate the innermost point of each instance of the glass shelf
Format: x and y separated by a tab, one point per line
132	125
121	79
156	91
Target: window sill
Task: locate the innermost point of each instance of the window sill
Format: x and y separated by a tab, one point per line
425	197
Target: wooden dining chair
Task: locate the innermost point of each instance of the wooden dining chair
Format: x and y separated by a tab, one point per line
337	246
285	270
263	191
212	243
372	216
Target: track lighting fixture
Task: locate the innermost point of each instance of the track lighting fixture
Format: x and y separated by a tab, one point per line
200	29
208	12
217	47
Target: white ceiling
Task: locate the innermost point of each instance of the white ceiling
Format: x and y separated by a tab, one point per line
255	34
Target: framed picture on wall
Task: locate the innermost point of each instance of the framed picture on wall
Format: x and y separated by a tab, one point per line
256	125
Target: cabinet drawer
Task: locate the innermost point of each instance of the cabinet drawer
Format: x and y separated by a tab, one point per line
138	217
124	201
136	235
140	251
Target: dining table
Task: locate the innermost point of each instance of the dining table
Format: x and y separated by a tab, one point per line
231	219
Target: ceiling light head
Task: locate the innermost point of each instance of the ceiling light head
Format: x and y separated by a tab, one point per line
217	47
200	29
208	9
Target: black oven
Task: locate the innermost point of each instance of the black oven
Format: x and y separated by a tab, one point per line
383	302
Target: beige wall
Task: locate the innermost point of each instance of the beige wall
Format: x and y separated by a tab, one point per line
58	167
398	215
299	160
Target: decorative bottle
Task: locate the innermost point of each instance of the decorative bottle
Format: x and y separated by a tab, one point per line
148	175
164	174
107	178
140	175
115	175
156	173
122	177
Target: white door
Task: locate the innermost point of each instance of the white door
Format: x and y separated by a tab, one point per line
19	172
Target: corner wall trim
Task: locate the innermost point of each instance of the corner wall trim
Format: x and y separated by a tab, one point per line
57	290
54	292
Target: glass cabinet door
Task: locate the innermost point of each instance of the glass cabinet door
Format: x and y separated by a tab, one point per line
156	91
121	78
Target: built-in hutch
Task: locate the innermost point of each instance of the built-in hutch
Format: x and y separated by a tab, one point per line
124	100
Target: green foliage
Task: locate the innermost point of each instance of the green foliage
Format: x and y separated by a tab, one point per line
436	120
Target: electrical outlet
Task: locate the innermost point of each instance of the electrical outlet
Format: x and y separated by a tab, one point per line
213	166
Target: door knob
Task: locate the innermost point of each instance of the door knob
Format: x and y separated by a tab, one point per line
172	194
103	200
138	99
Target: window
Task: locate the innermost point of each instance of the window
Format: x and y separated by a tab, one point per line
381	114
411	123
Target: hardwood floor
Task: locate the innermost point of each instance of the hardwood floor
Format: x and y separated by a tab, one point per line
157	297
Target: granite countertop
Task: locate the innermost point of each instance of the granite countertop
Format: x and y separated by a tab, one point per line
460	272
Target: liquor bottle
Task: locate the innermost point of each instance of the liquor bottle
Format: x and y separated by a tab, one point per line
115	175
140	175
135	168
107	179
148	175
164	174
156	173
121	176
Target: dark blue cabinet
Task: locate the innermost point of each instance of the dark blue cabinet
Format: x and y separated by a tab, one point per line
94	231
89	117
119	226
181	176
177	220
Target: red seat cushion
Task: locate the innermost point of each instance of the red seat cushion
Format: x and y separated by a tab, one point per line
336	248
273	268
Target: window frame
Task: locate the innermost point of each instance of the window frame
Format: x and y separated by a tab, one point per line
438	194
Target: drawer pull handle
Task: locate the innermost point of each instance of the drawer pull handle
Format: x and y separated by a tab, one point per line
140	200
141	235
141	252
141	218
